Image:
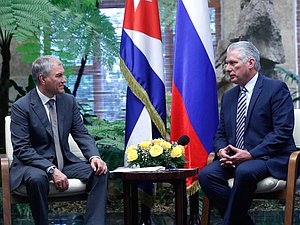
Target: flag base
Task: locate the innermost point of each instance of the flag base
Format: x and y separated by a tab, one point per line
145	215
193	188
194	210
192	192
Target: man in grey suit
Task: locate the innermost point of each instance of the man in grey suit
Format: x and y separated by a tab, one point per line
253	143
36	150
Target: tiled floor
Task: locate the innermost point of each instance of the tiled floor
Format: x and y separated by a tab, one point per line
261	218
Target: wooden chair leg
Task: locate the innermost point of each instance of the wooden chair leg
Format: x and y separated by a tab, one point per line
205	211
7	214
290	188
289	208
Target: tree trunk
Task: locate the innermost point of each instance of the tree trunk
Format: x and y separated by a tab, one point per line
79	75
5	40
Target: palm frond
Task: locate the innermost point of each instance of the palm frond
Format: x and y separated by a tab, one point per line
288	74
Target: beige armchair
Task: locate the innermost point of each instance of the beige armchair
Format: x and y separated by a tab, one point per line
75	192
271	188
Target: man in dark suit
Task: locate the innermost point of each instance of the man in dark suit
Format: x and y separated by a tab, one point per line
253	146
35	160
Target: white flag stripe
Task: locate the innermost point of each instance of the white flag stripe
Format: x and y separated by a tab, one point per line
142	131
151	48
193	8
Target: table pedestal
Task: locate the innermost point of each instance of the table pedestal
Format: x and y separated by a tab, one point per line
175	177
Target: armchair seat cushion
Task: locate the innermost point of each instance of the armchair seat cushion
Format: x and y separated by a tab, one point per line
269	184
76	187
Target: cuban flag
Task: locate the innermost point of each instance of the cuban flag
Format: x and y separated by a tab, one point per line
141	61
194	109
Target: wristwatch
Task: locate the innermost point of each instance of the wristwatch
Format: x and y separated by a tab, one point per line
51	170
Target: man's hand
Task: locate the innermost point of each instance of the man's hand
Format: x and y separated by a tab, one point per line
99	166
239	156
60	180
223	153
224	156
234	160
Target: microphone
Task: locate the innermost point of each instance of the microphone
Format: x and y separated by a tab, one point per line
183	140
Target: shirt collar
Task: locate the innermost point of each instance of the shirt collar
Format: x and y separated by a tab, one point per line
43	97
251	83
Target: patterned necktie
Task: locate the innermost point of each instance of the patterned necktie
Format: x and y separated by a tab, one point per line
53	120
240	119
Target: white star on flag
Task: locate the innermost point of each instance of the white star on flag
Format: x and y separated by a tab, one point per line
137	2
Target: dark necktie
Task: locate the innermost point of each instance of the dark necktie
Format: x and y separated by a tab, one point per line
240	119
53	120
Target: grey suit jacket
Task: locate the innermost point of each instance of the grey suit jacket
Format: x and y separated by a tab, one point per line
32	136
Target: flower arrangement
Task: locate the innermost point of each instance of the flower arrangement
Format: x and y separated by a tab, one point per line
157	152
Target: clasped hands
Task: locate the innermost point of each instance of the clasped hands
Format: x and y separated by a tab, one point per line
61	180
231	156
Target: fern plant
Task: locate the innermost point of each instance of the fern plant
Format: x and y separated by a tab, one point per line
109	137
23	18
19	19
83	31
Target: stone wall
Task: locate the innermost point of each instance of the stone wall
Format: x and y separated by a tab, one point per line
287	18
284	10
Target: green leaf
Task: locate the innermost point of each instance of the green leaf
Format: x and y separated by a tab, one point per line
23	18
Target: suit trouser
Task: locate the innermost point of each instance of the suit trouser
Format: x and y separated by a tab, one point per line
233	204
37	184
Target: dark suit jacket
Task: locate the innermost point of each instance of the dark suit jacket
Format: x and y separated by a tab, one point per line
32	136
268	127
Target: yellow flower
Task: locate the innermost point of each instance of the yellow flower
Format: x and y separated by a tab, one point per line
182	148
156	150
132	155
166	145
130	148
177	151
157	141
145	144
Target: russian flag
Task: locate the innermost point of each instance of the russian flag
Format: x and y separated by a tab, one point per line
194	109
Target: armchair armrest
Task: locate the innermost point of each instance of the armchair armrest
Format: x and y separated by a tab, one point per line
293	166
6	197
4	169
291	181
210	158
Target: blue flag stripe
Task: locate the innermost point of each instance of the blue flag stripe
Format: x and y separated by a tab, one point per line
137	63
133	112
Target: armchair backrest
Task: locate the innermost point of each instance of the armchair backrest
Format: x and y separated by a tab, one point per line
296	133
9	149
8	144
